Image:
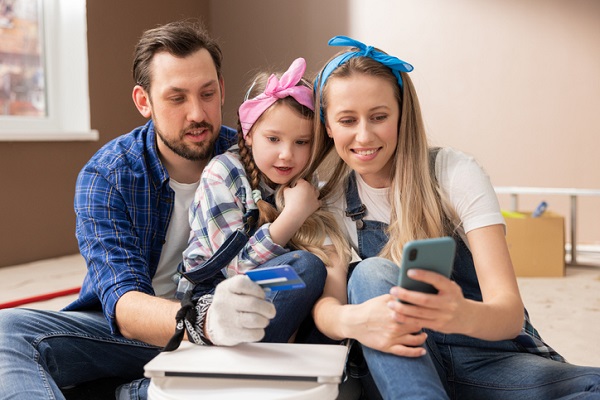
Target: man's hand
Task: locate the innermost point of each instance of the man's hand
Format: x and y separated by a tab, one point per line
239	312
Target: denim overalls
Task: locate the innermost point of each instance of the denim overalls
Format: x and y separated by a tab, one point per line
371	239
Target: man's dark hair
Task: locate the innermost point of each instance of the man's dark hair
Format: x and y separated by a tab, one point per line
180	38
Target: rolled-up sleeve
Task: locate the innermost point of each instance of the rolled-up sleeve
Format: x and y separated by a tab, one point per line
108	242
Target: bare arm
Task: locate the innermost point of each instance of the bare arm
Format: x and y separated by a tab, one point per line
300	202
146	318
498	317
371	323
239	313
502	313
327	310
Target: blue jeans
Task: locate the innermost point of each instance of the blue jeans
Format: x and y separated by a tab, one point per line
43	351
460	367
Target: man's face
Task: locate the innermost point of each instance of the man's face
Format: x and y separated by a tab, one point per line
185	102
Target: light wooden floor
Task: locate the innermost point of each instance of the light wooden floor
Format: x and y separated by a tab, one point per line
566	311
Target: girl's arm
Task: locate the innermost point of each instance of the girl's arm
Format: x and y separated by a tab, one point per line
301	201
498	317
223	197
371	322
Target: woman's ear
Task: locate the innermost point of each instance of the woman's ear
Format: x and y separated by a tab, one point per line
141	100
328	129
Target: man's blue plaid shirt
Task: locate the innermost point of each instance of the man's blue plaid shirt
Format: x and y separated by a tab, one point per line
123	204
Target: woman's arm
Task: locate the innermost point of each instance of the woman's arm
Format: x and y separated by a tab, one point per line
498	317
371	322
501	316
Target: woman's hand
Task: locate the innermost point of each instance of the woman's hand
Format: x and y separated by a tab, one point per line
498	317
374	326
442	312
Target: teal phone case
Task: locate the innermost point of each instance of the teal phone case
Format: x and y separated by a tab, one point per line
435	255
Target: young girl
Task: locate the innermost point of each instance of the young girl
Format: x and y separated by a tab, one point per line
467	341
238	193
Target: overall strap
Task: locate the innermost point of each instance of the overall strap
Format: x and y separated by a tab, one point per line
225	253
355	209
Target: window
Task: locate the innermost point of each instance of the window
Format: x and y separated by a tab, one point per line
43	71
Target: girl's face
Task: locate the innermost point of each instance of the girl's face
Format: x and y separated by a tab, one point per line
362	119
281	143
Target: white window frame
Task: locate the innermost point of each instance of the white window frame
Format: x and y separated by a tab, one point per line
67	87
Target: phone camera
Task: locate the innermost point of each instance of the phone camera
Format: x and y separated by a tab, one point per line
412	255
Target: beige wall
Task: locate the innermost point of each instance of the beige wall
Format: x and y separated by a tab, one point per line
271	34
513	82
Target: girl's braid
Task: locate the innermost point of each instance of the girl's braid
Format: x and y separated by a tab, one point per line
266	212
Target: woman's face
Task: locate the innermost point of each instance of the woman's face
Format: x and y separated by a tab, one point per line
362	119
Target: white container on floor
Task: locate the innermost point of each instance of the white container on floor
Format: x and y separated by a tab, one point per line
183	388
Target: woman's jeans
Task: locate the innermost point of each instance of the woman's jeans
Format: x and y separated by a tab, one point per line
43	351
460	367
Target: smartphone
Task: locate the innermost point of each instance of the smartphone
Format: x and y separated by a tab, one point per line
436	254
281	277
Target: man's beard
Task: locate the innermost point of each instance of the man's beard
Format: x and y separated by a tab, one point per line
193	152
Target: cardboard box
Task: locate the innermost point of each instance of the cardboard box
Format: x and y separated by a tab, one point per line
537	245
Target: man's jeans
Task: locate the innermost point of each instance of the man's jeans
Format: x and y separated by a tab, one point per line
460	367
43	351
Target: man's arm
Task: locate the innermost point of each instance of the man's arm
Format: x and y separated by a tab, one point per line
239	313
115	251
146	318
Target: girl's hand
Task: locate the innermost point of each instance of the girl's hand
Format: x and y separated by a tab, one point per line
300	201
376	327
303	198
443	312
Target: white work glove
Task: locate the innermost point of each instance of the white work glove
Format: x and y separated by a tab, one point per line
239	312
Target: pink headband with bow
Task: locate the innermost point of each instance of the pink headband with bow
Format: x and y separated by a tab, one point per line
276	89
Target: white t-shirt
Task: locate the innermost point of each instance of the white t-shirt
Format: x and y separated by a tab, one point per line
178	234
463	181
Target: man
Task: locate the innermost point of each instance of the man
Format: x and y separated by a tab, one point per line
131	202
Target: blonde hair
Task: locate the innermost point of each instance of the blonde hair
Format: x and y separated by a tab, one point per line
321	224
418	207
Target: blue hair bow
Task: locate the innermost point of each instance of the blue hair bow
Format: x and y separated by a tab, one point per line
393	63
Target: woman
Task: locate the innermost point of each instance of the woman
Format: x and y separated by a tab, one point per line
471	340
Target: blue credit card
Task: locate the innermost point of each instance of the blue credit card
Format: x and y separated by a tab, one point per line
281	277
